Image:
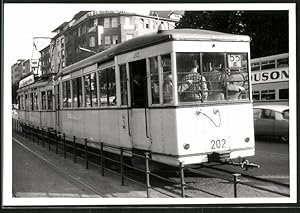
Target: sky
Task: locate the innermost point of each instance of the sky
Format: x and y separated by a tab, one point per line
23	22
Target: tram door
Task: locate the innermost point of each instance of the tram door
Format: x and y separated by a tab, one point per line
139	103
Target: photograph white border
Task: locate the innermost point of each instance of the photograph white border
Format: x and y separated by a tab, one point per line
8	200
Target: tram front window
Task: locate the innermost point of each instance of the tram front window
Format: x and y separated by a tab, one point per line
212	77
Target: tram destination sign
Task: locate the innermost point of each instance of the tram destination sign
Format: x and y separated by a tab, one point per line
270	76
26	81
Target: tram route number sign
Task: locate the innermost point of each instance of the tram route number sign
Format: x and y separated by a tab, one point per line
218	144
234	60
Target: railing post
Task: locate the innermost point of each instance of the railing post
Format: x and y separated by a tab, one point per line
43	137
86	154
74	148
182	183
56	142
236	180
147	173
38	135
122	166
49	140
64	143
102	160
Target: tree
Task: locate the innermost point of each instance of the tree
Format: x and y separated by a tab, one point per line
267	29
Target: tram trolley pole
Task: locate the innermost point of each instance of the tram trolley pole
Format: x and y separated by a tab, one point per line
236	180
64	145
86	154
147	173
74	149
102	159
122	165
182	183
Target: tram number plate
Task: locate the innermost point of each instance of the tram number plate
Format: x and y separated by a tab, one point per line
218	144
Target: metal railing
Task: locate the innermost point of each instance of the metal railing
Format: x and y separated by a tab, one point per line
79	148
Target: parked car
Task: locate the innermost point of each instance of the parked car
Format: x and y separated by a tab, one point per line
271	120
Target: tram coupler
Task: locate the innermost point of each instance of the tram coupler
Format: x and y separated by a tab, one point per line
243	163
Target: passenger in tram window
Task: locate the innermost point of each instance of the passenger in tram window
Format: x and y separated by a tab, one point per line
190	88
168	89
235	84
215	80
138	90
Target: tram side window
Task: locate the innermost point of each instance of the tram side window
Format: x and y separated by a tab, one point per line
255	66
77	92
268	64
90	86
154	79
50	100
26	102
123	82
43	94
66	94
267	95
167	78
256	95
284	94
284	62
31	102
191	85
107	83
36	102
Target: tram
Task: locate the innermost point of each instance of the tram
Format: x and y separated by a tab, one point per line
182	95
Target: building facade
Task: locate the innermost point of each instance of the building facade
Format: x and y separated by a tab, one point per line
45	61
270	79
99	30
17	71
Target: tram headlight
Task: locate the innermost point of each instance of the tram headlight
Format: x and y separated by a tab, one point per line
246	139
186	146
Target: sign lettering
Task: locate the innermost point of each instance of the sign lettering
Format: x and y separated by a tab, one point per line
270	76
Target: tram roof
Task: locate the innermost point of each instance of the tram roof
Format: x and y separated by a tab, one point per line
152	39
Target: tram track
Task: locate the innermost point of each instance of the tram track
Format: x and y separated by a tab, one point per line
58	169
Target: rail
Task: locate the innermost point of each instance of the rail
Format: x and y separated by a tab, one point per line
84	151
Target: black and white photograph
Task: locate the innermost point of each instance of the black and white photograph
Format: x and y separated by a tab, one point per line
149	104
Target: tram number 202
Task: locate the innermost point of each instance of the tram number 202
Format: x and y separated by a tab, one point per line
218	144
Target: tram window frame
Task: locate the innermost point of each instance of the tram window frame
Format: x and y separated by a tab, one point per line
43	100
285	63
267	94
36	100
26	102
256	94
167	79
107	87
31	102
154	78
49	100
123	84
90	90
255	66
77	92
66	94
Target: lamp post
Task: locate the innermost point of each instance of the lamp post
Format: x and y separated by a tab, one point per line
87	50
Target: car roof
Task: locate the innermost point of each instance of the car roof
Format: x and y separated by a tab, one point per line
278	108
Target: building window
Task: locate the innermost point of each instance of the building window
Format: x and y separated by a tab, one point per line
92	41
106	23
284	94
95	22
142	23
57	42
107	85
62	54
267	95
147	24
114	22
77	92
63	64
66	94
79	31
107	39
129	36
62	41
50	100
115	39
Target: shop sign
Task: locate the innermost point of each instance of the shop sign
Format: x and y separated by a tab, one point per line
270	76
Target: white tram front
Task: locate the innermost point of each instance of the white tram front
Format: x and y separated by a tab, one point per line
182	95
